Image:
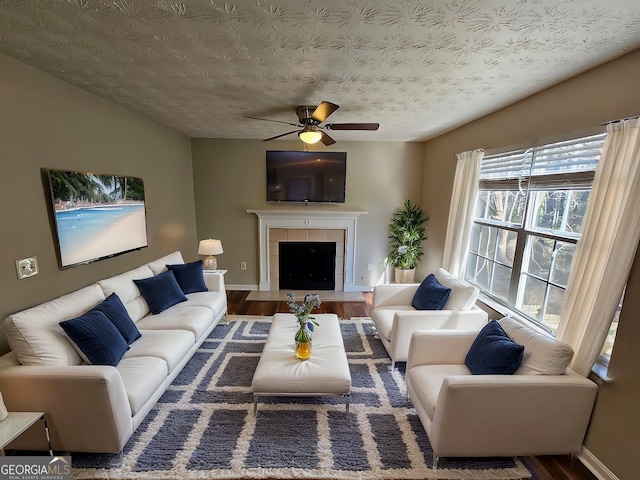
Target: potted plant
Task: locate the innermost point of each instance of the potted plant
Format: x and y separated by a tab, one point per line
406	234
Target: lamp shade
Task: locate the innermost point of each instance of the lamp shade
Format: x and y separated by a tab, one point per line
210	247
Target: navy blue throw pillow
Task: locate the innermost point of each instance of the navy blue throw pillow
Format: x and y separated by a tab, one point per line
430	295
115	311
96	338
493	352
161	291
189	276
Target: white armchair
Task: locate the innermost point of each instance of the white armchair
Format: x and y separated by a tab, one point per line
542	409
395	319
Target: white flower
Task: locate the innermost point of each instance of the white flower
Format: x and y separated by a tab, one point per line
402	249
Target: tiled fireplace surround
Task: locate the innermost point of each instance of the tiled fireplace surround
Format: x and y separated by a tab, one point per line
277	235
277	226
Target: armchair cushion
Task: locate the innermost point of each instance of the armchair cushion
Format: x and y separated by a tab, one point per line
493	352
543	354
463	295
431	295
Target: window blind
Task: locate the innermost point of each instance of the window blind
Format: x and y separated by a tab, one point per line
554	166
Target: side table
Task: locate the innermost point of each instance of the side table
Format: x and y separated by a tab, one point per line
17	423
222	272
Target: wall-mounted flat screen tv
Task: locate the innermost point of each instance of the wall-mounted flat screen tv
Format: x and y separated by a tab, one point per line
294	176
96	216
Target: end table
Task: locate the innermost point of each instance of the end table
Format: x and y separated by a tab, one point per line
17	423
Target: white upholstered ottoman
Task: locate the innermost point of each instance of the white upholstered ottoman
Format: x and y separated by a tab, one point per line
279	373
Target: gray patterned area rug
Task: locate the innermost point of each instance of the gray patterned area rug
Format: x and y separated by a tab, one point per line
204	428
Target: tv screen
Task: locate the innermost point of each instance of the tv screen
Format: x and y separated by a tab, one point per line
96	216
294	176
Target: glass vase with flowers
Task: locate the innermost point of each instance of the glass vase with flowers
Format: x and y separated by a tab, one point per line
306	323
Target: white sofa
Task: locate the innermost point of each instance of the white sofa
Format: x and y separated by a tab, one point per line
96	408
396	319
542	409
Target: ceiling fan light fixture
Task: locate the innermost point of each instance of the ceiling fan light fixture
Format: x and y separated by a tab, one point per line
310	134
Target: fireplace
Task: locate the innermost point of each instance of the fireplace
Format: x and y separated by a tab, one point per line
307	265
276	226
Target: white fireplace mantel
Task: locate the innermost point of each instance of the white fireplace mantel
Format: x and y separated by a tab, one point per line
309	219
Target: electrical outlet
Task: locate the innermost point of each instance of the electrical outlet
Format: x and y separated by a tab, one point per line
27	267
369	267
243	265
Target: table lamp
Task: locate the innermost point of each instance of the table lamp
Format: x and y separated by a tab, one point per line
210	247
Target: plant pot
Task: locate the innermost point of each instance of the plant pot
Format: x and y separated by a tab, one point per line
405	276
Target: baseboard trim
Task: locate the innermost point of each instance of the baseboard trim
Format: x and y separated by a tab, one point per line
230	286
595	466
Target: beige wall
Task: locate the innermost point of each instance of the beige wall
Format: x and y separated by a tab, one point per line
229	178
46	123
605	93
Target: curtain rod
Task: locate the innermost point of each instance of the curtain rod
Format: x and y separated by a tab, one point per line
621	120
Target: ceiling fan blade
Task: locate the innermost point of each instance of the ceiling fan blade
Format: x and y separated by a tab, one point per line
270	120
327	140
282	135
323	110
352	126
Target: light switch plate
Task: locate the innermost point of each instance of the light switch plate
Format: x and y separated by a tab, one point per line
27	267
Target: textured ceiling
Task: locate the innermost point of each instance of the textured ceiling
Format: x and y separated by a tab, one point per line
417	68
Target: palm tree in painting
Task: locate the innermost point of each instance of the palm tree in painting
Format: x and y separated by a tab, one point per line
123	188
77	187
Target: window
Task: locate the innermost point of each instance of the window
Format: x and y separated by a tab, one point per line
529	213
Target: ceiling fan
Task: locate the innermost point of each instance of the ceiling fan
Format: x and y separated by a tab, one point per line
310	118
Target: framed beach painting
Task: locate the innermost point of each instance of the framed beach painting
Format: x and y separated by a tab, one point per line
96	216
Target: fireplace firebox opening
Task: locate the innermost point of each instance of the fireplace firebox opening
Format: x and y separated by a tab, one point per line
307	265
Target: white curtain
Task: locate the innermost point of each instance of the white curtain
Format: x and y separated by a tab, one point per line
463	197
606	250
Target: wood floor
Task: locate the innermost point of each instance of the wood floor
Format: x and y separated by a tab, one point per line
555	467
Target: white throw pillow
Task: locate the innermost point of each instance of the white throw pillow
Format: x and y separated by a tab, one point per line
123	286
35	336
463	295
160	265
543	355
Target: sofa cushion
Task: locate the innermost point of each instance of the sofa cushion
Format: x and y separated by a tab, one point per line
96	338
35	336
431	295
126	289
493	352
115	311
169	345
543	355
194	319
160	265
161	291
463	295
142	377
189	276
216	301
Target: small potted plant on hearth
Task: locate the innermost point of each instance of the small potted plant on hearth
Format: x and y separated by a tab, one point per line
406	234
